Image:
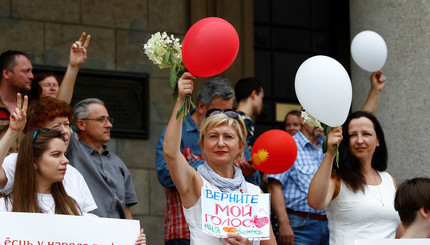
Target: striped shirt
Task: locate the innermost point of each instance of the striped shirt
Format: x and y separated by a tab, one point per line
297	179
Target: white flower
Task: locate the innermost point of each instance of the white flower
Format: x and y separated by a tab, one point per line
158	45
311	121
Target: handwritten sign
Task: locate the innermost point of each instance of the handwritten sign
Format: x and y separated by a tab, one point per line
50	229
244	214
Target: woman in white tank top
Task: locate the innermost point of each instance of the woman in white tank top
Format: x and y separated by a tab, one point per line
222	139
358	195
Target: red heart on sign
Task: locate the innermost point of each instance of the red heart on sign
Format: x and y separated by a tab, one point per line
260	222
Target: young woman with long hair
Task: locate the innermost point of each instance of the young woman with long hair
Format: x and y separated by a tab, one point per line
358	195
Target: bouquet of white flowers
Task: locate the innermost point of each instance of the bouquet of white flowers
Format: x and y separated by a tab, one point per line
311	121
165	51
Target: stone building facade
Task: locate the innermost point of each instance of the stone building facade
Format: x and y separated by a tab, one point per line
45	30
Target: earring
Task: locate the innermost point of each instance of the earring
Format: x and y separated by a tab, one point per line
36	168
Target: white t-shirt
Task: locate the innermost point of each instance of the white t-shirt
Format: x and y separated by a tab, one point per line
74	184
46	203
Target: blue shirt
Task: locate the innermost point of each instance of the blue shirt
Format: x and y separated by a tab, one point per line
189	145
297	179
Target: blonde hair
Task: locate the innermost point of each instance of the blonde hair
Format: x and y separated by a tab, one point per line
221	120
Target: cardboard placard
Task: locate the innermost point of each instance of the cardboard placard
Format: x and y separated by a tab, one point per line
245	214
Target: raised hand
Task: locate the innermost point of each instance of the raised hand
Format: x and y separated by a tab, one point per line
78	51
334	138
18	118
377	80
185	85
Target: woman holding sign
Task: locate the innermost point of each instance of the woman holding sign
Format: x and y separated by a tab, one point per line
358	195
40	170
222	139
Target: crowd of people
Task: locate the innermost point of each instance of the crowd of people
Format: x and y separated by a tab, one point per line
63	166
35	174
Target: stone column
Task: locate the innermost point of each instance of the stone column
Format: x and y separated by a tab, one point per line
404	107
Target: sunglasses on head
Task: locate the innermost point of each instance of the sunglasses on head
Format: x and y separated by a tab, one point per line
44	130
228	112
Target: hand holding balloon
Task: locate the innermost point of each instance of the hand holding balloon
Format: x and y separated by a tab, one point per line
377	81
369	51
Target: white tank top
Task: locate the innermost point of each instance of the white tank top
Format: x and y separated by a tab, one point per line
193	216
359	215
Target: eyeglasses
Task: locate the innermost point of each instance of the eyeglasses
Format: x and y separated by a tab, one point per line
228	112
44	130
103	120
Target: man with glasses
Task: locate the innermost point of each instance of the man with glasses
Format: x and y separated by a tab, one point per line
107	176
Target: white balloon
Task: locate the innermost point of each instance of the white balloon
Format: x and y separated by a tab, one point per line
369	51
324	89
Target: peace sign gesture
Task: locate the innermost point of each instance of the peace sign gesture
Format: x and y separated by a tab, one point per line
78	51
18	118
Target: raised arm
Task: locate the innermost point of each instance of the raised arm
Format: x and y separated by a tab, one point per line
78	56
324	187
17	123
186	179
377	82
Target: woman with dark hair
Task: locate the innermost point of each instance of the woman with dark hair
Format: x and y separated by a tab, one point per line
44	84
358	195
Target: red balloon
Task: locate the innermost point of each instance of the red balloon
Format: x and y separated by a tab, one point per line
274	152
210	47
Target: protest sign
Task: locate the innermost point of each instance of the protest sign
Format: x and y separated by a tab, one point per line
245	214
50	229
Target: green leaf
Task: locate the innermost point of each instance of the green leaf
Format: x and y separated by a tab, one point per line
179	71
173	60
166	57
180	110
173	76
324	146
336	149
326	128
192	104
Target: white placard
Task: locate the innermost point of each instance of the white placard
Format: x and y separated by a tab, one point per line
50	229
245	214
392	242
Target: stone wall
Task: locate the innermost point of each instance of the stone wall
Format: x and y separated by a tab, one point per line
404	105
46	29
